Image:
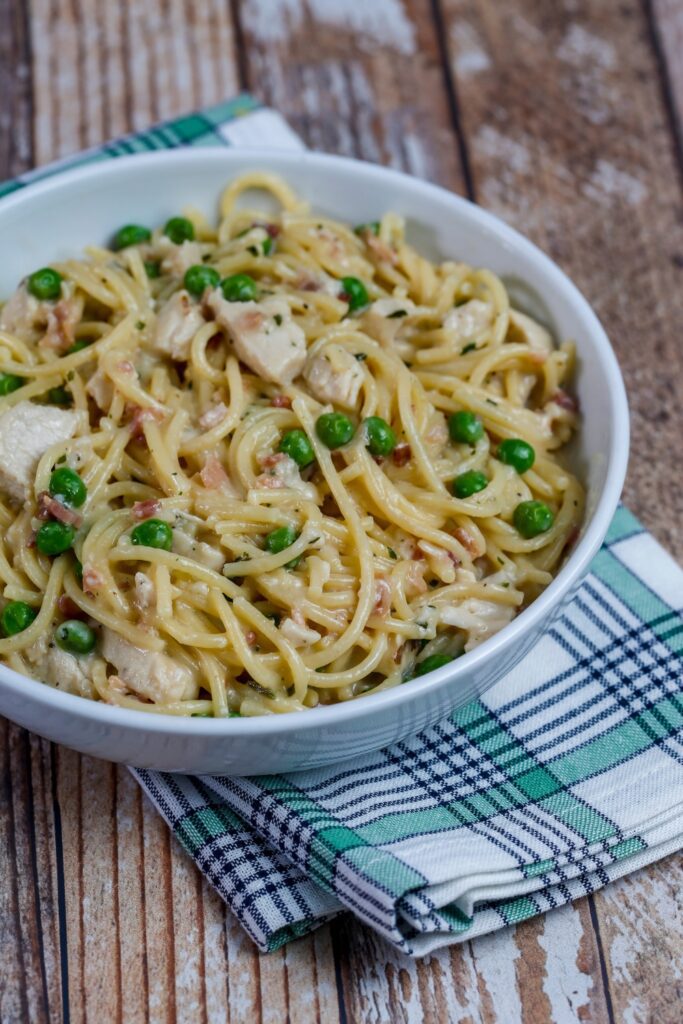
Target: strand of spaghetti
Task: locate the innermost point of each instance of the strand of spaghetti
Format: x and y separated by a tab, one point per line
44	617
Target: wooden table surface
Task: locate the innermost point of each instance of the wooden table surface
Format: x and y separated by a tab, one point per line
562	116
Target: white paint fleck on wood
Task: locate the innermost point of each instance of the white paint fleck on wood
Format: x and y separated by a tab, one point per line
567	987
376	23
608	183
469	54
581	47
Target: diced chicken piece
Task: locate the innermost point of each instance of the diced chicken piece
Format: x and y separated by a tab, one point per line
298	633
101	389
60	669
214	415
61	321
23	314
184	544
334	375
145	594
178	321
526	330
281	471
264	336
469	320
26	432
385	317
149	674
176	259
480	619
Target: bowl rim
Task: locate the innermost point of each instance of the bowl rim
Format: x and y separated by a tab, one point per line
38	693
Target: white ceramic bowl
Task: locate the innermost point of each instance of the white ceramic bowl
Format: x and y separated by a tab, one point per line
59	217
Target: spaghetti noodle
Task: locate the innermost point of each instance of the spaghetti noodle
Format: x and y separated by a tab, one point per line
273	464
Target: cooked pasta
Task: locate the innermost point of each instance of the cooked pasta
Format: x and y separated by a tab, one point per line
271	464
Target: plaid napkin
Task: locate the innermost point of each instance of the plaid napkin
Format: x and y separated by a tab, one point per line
565	775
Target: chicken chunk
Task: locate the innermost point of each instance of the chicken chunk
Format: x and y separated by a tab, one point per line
334	375
149	674
264	336
480	619
26	432
176	259
281	471
60	669
470	320
177	323
23	314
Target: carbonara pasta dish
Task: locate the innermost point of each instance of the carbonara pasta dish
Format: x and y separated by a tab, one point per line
272	464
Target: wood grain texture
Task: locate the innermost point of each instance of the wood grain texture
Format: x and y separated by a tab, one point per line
560	117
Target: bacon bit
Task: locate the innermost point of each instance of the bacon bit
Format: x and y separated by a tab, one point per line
344	296
565	400
398	653
146	509
214	341
379	248
417	553
212	474
49	506
402	454
125	366
92	580
415	582
272	229
454	558
305	283
138	415
382	597
379	459
60	325
467	540
213	416
68	608
250	637
281	402
31	539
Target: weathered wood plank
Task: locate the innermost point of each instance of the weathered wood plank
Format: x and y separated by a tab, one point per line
667	29
569	140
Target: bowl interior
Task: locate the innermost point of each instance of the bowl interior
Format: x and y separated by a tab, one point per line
60	217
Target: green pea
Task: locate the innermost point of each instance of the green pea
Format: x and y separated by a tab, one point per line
130	234
16	617
467	484
9	383
334	429
371	227
279	539
356	292
295	443
465	428
431	664
239	288
531	518
179	230
75	636
153	269
201	277
79	345
59	396
54	538
67	487
516	453
381	439
153	533
45	284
